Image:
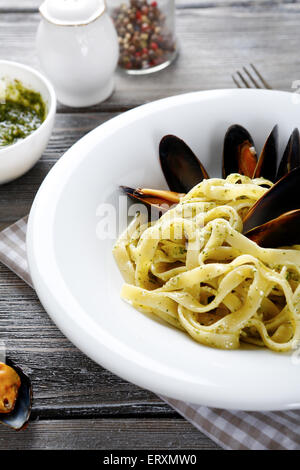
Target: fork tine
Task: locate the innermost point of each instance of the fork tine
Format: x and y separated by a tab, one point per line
247	85
255	83
236	81
248	79
261	77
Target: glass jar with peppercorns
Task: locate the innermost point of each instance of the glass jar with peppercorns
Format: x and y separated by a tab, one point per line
146	33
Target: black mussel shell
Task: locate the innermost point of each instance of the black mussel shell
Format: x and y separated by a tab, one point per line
267	162
19	417
181	167
239	155
291	156
282	231
283	196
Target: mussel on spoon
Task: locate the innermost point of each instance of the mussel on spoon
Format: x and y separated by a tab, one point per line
15	396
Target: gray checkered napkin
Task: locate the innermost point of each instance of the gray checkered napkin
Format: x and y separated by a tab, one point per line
229	429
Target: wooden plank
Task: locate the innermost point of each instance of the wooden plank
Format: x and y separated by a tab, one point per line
214	42
31	5
16	198
65	381
133	434
31	337
13	5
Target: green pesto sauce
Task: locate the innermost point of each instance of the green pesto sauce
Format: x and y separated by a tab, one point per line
22	111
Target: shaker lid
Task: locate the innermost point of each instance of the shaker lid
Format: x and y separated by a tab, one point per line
72	12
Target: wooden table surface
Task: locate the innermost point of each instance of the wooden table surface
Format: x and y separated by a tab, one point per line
77	404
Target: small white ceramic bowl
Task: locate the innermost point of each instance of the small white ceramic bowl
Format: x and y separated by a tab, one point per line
18	158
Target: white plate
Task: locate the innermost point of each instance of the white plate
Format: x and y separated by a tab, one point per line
79	285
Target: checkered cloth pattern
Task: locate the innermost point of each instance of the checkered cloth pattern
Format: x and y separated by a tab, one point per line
235	430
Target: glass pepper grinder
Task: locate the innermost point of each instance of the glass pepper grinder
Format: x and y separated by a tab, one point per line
146	34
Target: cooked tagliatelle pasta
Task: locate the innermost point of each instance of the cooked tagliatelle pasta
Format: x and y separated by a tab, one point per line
194	269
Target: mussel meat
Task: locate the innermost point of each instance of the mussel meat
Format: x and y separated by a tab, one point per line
279	205
239	154
153	199
15	396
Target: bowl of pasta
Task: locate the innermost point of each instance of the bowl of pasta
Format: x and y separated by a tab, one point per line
189	287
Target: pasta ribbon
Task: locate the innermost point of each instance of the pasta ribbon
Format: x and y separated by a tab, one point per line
195	270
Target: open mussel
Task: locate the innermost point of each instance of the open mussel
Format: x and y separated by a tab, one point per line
239	154
291	156
275	218
183	170
181	167
270	220
282	197
15	396
267	162
281	231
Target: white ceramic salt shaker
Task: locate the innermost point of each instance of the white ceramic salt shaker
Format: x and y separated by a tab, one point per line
78	49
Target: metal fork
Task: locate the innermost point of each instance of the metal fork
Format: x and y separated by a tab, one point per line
250	77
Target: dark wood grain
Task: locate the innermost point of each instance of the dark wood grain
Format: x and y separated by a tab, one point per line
31	338
213	43
65	382
28	5
149	434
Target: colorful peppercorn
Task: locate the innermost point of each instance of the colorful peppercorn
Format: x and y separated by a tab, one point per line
144	38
